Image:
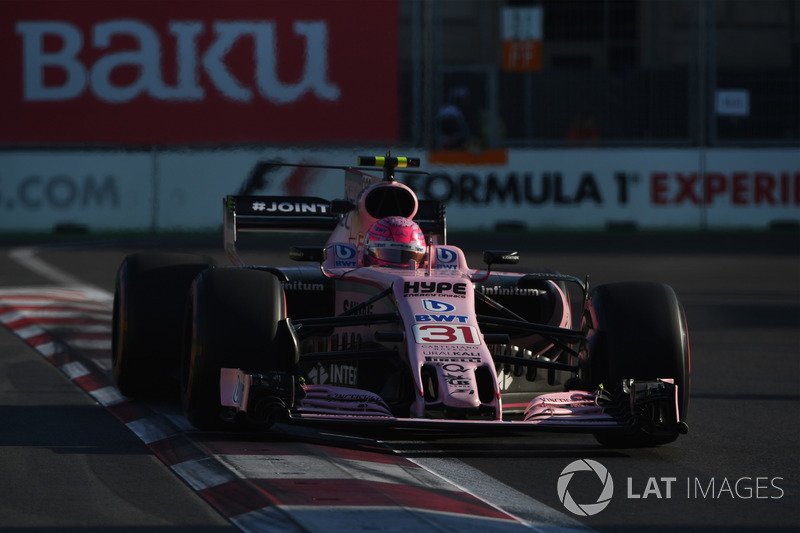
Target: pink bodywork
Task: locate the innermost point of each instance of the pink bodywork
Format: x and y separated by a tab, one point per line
437	303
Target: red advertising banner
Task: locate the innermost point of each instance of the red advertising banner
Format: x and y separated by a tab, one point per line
211	71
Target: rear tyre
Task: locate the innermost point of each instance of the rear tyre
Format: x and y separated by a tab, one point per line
636	330
232	321
146	338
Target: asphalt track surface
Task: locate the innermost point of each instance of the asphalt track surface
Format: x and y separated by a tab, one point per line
67	464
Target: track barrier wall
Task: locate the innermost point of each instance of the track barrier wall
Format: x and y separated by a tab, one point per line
594	189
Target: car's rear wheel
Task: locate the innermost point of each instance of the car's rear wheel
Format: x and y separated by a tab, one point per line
232	321
637	330
149	299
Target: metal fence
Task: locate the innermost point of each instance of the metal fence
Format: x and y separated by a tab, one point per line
609	72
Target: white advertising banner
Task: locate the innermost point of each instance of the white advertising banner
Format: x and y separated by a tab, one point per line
42	189
192	184
749	188
559	188
652	188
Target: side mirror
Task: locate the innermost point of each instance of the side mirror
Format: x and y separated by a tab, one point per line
496	257
501	257
307	253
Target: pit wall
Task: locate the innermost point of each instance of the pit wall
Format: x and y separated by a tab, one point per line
578	188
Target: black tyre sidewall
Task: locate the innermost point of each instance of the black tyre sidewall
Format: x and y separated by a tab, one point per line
639	332
149	298
231	322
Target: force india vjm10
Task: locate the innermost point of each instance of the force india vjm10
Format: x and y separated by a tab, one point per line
387	324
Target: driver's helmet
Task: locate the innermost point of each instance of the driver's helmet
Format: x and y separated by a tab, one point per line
394	241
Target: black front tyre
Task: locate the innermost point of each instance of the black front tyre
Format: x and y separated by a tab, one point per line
636	330
149	301
232	321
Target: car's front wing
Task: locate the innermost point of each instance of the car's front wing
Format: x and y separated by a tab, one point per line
650	405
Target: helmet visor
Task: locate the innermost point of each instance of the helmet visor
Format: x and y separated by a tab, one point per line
396	253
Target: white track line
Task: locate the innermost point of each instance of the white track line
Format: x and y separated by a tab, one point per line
27	258
532	512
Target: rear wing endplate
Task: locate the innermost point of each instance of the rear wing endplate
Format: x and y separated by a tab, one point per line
273	213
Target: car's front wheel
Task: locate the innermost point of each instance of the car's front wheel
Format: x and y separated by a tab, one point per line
232	321
636	330
146	337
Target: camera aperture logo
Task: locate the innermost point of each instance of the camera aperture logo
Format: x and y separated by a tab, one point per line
591	508
694	488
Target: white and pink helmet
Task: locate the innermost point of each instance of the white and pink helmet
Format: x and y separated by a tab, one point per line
394	241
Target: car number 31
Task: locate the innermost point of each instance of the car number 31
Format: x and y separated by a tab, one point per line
445	334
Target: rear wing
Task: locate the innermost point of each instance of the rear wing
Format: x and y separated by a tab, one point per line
279	213
242	214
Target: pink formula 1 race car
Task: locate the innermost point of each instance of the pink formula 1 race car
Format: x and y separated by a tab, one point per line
386	324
